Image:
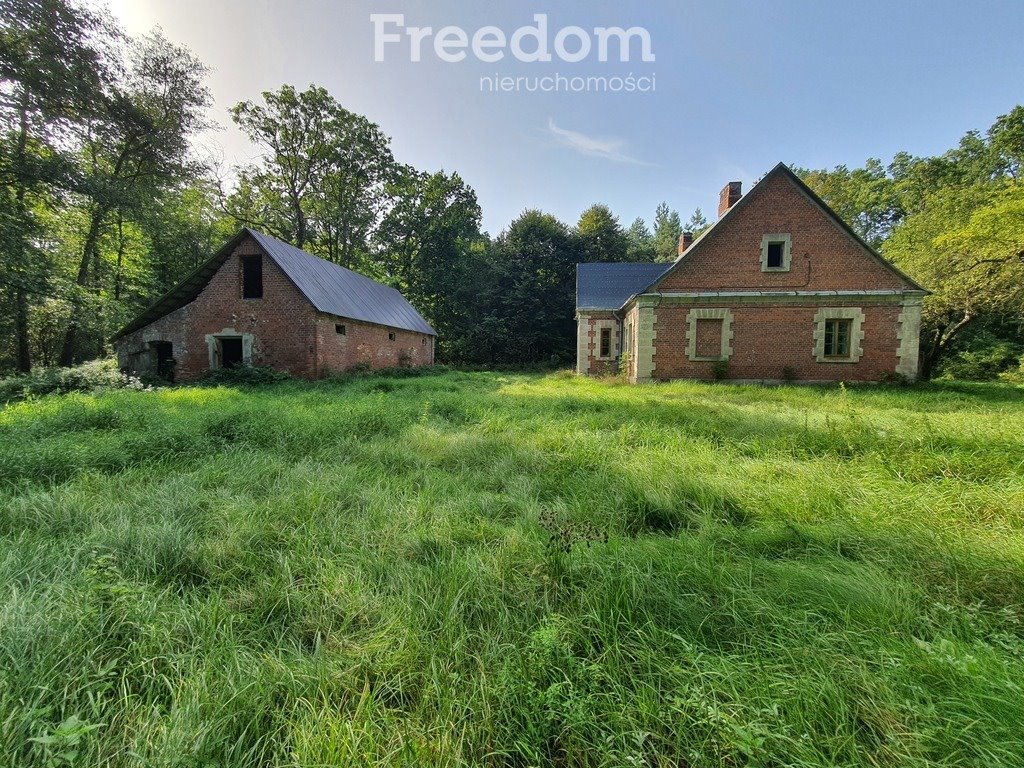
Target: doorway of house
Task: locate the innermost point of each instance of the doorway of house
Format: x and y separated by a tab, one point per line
164	351
231	352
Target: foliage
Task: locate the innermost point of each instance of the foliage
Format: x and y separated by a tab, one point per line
373	571
96	375
981	356
601	236
667	229
954	222
244	375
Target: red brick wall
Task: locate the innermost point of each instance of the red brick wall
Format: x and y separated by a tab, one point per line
768	339
824	257
368	344
287	331
709	338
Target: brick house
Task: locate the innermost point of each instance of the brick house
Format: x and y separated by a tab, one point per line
261	301
780	288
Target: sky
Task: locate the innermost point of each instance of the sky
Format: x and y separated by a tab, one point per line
734	88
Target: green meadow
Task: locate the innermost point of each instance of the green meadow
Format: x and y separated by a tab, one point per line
513	570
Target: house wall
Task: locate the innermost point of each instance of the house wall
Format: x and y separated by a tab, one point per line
771	336
368	344
775	342
588	343
823	256
278	330
281	330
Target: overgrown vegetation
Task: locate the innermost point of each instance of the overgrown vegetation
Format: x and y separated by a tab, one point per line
487	569
94	376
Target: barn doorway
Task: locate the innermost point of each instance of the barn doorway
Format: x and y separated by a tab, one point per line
231	352
164	352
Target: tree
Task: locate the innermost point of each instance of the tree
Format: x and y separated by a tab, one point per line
667	229
322	184
54	69
294	129
134	150
968	247
532	299
601	236
428	245
866	198
697	223
639	242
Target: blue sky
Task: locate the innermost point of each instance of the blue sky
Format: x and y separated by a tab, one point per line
739	86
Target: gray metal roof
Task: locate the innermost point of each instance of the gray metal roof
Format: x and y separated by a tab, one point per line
608	286
338	291
329	287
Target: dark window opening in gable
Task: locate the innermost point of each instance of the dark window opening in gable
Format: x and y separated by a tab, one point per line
339	328
837	338
606	342
252	277
775	253
391	336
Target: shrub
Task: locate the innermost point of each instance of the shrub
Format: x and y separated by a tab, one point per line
981	358
245	376
720	370
95	375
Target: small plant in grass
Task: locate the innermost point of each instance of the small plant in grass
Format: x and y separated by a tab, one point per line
61	746
788	374
720	370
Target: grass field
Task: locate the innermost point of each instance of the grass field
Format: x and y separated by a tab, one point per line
487	569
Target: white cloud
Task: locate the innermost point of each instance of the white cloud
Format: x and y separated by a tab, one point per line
609	149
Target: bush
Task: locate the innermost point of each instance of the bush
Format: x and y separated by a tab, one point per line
983	358
245	376
95	375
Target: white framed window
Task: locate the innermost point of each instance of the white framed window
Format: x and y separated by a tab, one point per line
838	334
709	334
776	253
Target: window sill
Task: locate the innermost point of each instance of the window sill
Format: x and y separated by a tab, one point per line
837	360
775	269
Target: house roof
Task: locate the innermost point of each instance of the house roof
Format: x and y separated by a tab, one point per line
330	288
810	193
610	285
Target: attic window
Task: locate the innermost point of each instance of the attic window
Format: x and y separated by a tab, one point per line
776	253
252	277
391	336
339	328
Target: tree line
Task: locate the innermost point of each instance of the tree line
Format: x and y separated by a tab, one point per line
105	204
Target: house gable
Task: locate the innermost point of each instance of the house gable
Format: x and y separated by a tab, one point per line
821	252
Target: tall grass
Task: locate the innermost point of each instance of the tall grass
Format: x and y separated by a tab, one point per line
500	569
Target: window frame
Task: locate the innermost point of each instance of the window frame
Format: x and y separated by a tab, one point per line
704	313
391	336
340	329
604	342
780	238
836	338
856	333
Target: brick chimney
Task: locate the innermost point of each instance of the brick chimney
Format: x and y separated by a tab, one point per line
731	193
685	241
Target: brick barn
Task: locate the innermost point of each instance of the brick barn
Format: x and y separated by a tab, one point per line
261	301
779	288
